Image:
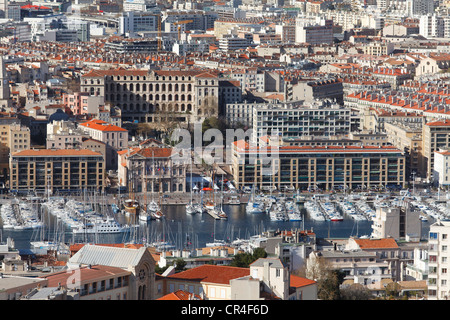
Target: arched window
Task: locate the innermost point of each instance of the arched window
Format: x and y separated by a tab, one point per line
131	87
170	87
144	87
183	87
176	87
138	87
163	87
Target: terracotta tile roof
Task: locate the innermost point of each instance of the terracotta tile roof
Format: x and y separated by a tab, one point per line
102	126
179	295
439	123
212	274
86	275
54	153
153	152
298	282
385	243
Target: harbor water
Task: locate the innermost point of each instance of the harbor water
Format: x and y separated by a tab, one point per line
193	231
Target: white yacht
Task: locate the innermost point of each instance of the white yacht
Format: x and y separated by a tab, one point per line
110	225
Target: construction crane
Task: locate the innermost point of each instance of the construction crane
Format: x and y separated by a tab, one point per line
178	23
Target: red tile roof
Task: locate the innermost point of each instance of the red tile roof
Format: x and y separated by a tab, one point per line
439	123
212	274
179	295
53	153
385	243
298	282
96	272
102	126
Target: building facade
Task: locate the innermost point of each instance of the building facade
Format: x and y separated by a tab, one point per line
46	170
438	261
153	96
151	170
317	167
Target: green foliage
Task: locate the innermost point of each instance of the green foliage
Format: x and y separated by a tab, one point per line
180	265
244	260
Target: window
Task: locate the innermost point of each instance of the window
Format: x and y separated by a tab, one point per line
212	292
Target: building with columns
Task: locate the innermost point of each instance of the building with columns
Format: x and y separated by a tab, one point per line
154	96
151	170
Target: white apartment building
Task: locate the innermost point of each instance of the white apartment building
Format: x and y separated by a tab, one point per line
441	169
419	7
286	31
232	42
314	32
135	5
438	261
137	21
431	26
290	121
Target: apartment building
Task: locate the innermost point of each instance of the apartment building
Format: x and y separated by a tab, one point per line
151	170
408	137
323	119
438	261
93	282
65	170
397	222
266	278
5	100
310	90
436	135
64	135
441	168
317	32
150	96
133	21
13	138
312	167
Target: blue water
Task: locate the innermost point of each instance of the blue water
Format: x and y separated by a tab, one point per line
183	230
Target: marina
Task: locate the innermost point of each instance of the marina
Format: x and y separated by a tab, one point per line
329	216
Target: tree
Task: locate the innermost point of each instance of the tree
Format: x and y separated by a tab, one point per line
328	279
180	265
355	291
244	260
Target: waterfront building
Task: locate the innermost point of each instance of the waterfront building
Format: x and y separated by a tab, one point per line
312	167
438	261
396	222
441	168
436	134
151	170
324	119
408	137
62	170
115	138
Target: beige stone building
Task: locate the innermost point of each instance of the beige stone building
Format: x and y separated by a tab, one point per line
13	138
133	270
57	170
408	137
151	170
156	96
